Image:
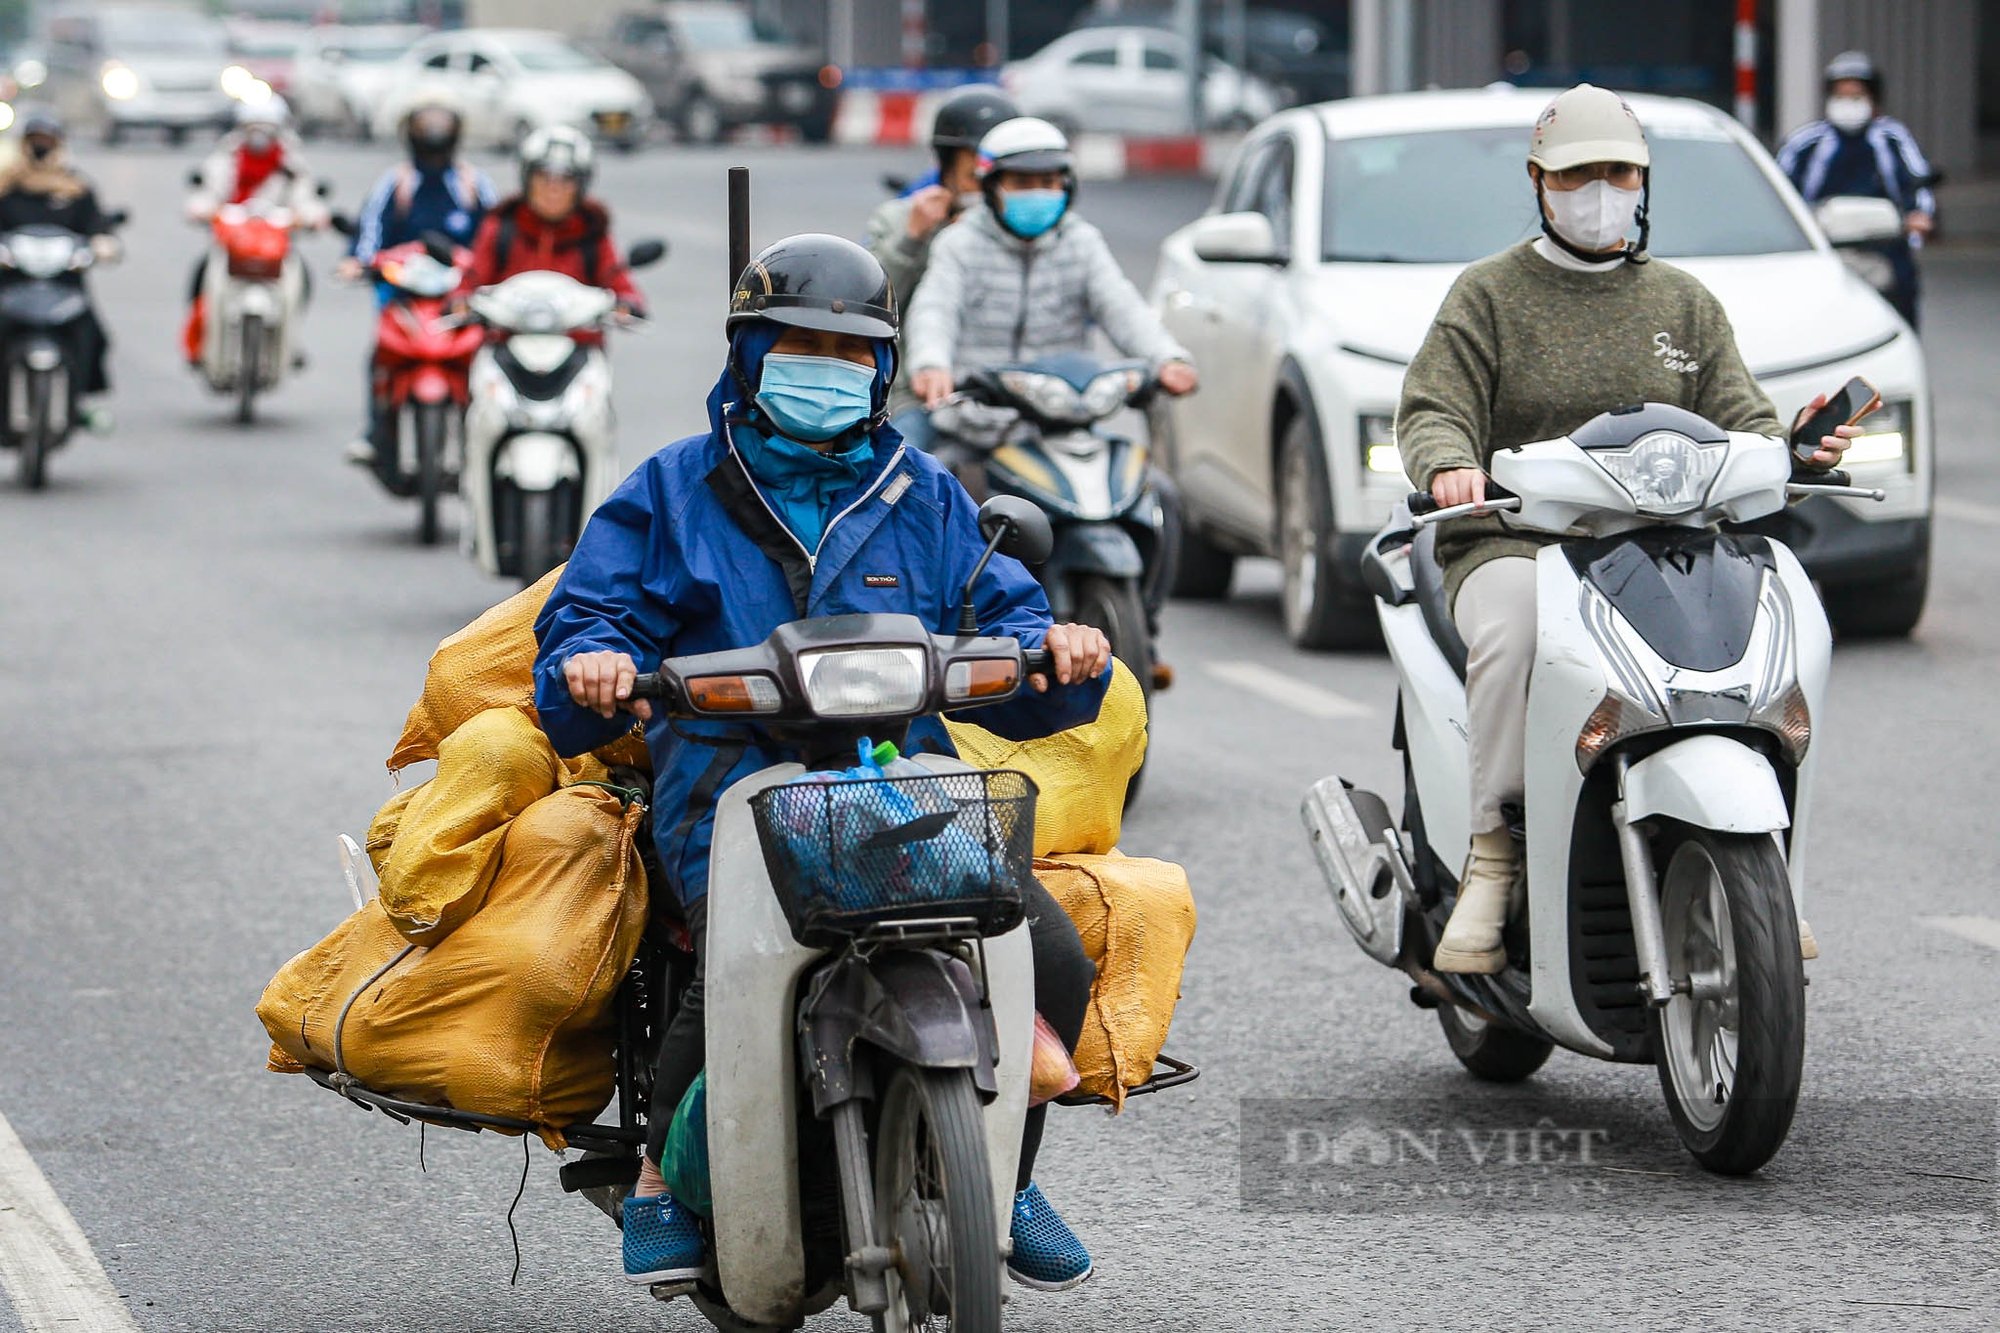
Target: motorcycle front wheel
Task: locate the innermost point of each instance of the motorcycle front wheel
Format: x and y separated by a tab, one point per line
430	430
934	1205
1730	1046
34	460
248	366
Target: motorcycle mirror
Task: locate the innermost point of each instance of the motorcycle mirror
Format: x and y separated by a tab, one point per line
341	223
324	189
194	178
1021	528
650	251
440	247
116	218
895	184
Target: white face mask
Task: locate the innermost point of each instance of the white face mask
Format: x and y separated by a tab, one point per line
1849	113
1595	217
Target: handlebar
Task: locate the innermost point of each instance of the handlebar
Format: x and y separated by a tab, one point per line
1425	510
653	685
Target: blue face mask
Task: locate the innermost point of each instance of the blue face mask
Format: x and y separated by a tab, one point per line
1029	213
814	397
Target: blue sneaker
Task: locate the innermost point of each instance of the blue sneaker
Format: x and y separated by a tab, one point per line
662	1240
1047	1255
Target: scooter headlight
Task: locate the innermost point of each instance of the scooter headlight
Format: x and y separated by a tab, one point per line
41	256
864	682
1108	392
1665	473
1048	396
421	275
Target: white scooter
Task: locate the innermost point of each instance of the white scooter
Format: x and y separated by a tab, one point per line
1678	686
540	438
870	990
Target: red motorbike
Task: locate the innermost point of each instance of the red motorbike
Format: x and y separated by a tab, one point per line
423	357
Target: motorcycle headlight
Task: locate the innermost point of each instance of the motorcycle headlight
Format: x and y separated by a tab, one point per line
424	276
1378	447
1884	441
1665	473
41	256
1108	392
1048	396
864	682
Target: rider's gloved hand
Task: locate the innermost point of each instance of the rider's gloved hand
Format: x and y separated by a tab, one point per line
602	682
349	269
1459	486
1076	652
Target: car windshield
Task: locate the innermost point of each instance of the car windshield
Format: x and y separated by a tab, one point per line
371	50
554	57
161	31
266	45
722	30
1453	196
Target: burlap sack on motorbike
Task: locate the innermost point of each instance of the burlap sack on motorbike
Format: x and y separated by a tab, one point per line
510	1014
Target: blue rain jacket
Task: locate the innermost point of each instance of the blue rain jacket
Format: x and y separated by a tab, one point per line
688	557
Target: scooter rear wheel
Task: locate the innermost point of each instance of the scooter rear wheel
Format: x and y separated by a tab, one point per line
934	1205
1489	1051
1731	1047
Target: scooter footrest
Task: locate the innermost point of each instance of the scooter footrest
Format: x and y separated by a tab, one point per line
667	1291
598	1173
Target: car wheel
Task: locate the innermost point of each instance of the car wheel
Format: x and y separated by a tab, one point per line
1879	609
1322	610
701	120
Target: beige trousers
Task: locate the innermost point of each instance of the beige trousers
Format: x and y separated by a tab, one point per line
1495	615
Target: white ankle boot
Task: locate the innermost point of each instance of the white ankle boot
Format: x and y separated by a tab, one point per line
1471	941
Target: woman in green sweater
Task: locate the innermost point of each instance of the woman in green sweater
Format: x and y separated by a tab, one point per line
1529	344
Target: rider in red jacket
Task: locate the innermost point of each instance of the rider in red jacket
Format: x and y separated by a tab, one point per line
551	224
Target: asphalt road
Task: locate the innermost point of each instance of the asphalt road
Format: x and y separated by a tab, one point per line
208	638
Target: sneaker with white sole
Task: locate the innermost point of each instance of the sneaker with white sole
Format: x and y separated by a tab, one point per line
361	451
1047	1255
662	1240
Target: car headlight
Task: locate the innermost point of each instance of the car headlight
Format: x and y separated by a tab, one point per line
237	82
1884	440
1048	396
120	84
31	73
1665	473
864	682
1108	392
1378	447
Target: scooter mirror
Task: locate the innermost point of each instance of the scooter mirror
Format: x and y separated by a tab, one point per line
646	252
116	218
194	178
1029	538
341	223
324	189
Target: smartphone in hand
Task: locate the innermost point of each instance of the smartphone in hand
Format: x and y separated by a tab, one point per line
1856	399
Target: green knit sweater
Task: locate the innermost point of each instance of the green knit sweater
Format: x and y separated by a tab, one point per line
1523	350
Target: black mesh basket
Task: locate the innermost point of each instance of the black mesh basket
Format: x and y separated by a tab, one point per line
848	854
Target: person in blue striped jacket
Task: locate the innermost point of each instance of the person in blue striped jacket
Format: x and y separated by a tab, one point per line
1857	150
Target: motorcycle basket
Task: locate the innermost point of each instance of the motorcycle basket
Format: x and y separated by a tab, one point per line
849	854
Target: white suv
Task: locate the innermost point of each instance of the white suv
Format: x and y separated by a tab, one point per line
1334	236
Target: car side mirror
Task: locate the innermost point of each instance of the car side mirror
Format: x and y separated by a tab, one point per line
646	252
1235	238
1022	527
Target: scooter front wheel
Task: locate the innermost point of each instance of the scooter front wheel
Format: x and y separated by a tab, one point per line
1730	1045
34	446
249	367
430	432
934	1205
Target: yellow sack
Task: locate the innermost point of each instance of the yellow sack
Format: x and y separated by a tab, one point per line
511	1015
1081	773
443	839
1136	917
489	664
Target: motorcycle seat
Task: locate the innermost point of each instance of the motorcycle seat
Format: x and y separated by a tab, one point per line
1428	576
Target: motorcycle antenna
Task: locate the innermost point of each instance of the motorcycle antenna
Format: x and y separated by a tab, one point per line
739	224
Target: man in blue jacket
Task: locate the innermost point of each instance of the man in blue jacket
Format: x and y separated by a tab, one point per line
799	501
1857	150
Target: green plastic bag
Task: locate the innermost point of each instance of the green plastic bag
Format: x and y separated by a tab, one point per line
684	1161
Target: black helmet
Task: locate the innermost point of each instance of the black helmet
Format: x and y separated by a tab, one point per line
43	123
1857	65
816	281
964	117
432	129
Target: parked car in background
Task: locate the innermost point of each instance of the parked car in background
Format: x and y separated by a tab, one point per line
119	67
342	72
269	51
1303	59
510	82
1307	288
1130	80
709	67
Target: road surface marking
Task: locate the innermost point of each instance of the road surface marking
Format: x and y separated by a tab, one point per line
46	1265
1288	691
1969	510
1979	929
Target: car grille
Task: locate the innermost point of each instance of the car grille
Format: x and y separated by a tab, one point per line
183	83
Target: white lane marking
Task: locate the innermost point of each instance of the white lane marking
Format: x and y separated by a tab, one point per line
1289	691
1969	510
1979	929
46	1265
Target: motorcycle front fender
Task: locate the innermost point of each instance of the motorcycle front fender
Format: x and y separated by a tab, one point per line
259	299
430	385
1097	548
536	461
1711	781
919	1006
